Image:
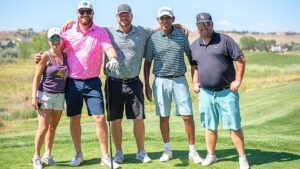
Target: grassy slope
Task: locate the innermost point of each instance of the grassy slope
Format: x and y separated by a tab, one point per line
270	113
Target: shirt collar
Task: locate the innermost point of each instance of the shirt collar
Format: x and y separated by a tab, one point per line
173	33
213	37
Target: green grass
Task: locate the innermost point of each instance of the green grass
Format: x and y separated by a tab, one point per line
270	111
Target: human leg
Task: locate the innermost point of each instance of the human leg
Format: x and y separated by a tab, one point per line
189	126
74	102
54	120
183	107
101	131
43	120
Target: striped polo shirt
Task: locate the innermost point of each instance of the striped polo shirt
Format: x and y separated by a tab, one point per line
167	51
130	50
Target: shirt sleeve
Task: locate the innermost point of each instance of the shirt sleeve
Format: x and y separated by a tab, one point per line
148	32
188	52
233	49
105	40
148	53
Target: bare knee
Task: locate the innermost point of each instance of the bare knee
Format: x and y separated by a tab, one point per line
42	130
188	119
138	122
99	119
75	120
164	119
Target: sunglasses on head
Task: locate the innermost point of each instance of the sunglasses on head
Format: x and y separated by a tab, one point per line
204	24
55	39
87	11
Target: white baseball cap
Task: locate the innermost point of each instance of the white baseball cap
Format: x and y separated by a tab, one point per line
165	11
53	31
85	4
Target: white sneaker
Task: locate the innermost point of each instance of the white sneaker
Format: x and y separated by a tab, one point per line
210	159
77	160
119	157
48	160
243	162
194	156
37	164
166	156
105	161
143	157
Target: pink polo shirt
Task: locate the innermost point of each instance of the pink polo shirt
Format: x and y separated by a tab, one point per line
84	50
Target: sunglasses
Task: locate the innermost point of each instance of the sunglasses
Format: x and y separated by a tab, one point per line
87	11
55	39
204	24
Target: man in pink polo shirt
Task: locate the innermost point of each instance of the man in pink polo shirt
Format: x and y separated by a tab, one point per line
83	44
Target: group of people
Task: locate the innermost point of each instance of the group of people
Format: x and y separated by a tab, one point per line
70	70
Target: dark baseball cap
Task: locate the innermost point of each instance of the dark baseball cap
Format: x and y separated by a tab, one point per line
124	8
203	17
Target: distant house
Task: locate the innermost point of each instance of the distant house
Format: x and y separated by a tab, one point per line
276	48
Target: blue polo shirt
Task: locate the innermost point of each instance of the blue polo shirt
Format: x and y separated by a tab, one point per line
215	60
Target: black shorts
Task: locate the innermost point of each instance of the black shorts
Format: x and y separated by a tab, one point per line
128	93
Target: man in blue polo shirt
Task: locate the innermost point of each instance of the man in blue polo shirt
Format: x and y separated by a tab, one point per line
167	48
218	82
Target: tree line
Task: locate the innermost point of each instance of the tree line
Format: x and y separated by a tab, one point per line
249	43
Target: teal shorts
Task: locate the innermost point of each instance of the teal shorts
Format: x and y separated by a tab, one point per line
164	90
223	105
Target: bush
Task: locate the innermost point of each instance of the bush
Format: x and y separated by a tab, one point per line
8	53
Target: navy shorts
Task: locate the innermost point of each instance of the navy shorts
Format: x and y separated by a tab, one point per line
128	94
88	90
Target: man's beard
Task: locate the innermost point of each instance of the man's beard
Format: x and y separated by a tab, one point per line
86	20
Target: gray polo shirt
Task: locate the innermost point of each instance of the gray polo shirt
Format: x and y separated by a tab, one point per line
215	60
167	51
130	49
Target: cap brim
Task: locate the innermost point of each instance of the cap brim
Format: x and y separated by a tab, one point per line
123	12
204	21
162	14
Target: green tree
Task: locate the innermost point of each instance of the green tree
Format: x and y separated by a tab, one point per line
261	45
247	43
24	50
39	43
269	44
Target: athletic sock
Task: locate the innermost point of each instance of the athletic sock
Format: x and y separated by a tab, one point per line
192	147
167	146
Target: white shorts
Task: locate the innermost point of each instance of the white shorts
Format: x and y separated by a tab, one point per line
54	101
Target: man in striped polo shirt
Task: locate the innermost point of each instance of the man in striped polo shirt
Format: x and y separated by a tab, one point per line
167	48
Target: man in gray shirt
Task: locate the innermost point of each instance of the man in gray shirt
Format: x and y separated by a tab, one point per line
123	86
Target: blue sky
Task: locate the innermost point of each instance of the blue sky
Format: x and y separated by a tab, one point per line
251	15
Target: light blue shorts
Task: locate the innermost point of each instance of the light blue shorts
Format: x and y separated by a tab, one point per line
54	101
222	105
164	90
